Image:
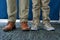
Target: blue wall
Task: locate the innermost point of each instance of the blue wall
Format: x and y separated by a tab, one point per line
54	13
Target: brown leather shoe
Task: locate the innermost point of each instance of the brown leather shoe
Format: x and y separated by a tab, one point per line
10	26
24	26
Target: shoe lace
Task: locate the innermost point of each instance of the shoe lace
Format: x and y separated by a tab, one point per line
48	24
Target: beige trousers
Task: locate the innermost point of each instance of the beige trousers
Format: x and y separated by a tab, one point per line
11	10
24	9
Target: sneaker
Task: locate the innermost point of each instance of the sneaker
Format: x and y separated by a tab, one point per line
34	27
48	27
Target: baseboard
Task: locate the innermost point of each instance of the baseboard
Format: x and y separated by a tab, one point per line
6	20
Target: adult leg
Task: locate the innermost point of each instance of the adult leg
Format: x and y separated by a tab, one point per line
36	14
24	9
45	13
11	10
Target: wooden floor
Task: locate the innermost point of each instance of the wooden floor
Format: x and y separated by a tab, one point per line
41	34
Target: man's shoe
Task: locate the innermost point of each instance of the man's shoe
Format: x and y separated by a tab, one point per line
10	26
48	27
24	26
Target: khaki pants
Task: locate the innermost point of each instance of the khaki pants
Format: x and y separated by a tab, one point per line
24	9
11	10
37	5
